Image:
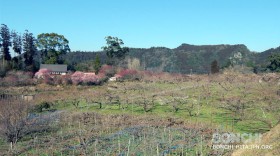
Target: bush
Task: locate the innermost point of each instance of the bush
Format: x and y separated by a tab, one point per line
43	105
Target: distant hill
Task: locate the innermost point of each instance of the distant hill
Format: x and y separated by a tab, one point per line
186	58
261	58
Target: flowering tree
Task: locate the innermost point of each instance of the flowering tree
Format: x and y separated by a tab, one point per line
42	73
77	78
90	78
66	79
107	70
84	78
128	74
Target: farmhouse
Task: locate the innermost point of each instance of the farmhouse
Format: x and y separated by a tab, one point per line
56	69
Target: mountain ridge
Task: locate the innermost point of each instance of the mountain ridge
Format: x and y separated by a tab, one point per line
187	57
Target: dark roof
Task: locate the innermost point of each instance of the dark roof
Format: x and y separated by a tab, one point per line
54	67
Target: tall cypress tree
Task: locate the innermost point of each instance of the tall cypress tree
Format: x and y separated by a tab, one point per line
97	64
29	49
17	44
215	67
17	47
6	42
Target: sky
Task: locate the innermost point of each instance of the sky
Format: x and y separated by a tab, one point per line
147	23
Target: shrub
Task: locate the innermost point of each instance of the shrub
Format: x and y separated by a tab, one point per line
43	105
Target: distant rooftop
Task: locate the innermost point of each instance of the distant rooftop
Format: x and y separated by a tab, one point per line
54	67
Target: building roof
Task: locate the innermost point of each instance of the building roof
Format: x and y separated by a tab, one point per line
54	67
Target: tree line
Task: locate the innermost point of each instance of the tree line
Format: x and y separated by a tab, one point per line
23	46
26	52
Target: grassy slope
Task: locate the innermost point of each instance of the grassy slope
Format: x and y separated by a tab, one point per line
270	138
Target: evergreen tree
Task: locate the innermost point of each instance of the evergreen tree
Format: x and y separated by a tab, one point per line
114	49
17	43
17	47
215	67
97	64
5	42
274	60
29	50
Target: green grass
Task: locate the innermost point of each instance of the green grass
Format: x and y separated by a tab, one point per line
208	114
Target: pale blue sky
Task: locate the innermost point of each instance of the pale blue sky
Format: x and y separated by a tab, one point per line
146	23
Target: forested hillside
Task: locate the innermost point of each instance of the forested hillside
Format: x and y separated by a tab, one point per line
186	58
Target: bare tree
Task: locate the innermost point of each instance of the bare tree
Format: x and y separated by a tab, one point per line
175	101
237	106
13	119
112	98
146	102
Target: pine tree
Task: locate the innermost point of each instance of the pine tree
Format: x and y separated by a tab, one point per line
17	43
6	42
97	64
215	67
17	47
115	50
29	50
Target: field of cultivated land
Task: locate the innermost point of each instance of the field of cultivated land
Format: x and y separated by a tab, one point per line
155	116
